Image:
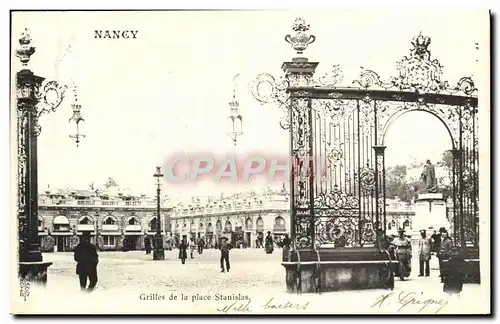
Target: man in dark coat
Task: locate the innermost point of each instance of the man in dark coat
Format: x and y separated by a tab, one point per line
147	244
286	247
85	254
183	245
454	272
201	244
444	253
436	241
224	247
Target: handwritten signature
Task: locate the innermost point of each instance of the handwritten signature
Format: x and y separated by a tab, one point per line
408	299
245	307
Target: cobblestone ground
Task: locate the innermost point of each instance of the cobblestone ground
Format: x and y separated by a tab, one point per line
124	276
251	268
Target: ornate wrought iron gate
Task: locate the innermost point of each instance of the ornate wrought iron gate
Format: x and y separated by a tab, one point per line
344	203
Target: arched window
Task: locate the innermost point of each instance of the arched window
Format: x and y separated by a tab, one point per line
260	224
406	223
109	220
228	227
85	220
153	224
210	228
218	226
248	224
279	224
133	220
40	222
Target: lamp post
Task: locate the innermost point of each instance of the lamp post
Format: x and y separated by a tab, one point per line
33	100
236	128
97	230
158	253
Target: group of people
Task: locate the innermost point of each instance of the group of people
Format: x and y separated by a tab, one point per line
451	262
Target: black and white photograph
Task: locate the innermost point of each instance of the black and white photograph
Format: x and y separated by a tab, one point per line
248	162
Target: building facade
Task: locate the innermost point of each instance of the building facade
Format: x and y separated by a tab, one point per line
117	222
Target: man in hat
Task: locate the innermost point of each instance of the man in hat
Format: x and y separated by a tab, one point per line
424	253
224	247
403	252
85	255
183	245
444	253
454	273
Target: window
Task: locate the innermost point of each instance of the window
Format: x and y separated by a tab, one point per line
133	221
109	240
109	221
153	225
86	221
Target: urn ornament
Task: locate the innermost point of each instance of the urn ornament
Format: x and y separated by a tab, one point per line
301	38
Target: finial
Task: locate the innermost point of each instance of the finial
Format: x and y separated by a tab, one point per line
25	50
301	38
420	46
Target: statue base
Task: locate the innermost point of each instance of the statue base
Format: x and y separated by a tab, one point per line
430	214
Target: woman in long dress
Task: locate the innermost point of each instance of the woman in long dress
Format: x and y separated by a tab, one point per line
269	243
183	245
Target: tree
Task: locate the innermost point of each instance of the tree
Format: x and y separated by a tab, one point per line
396	184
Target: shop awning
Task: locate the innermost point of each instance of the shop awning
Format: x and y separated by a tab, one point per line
61	220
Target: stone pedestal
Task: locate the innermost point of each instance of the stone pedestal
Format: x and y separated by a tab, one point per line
316	271
34	272
430	214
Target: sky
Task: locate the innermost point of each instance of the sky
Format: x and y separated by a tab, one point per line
167	91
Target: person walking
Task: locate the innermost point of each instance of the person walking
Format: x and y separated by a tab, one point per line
147	244
192	247
444	253
403	252
424	253
183	245
269	243
224	247
85	255
201	244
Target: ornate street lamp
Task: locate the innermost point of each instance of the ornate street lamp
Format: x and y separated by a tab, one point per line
33	100
77	118
236	127
158	253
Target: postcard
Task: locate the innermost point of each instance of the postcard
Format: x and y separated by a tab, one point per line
250	162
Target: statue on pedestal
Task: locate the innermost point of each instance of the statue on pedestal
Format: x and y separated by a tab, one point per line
428	177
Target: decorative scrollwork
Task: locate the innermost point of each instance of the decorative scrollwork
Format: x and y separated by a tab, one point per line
336	200
331	79
51	97
367	177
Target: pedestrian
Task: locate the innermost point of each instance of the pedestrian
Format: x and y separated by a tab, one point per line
201	244
403	252
147	244
192	247
224	247
454	272
444	253
183	245
85	255
269	243
436	241
286	247
424	253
